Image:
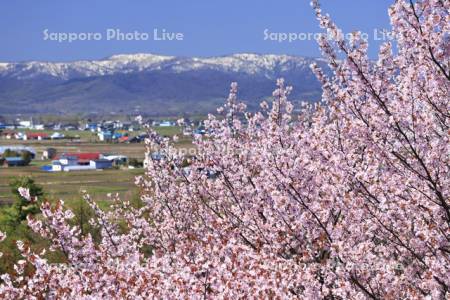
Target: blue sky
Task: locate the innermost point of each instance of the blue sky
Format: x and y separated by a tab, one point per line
209	27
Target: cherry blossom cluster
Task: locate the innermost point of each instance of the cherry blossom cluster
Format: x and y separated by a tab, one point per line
349	199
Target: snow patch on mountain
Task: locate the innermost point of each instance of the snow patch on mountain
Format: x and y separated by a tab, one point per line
248	63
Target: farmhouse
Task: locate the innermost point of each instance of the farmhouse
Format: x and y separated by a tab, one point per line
187	131
116	160
49	153
91	127
124	139
166	124
68	161
78	168
56	166
85	161
101	164
8	134
105	136
14	162
57	136
82	157
35	136
26	124
18	148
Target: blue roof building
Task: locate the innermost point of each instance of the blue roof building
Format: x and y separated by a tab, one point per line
14	162
18	148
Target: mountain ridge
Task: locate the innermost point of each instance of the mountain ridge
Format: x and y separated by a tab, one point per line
148	82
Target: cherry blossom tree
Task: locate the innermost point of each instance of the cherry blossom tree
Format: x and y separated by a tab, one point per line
349	199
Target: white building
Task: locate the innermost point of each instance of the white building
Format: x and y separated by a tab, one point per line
187	131
49	153
68	161
26	124
104	136
165	124
56	136
116	159
20	136
56	166
78	168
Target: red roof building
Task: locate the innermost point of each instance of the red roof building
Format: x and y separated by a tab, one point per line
82	157
38	135
9	133
123	139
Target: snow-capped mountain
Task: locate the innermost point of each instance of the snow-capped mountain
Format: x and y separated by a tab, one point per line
84	68
122	64
148	82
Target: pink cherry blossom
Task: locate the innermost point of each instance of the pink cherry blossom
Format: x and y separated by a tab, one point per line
349	199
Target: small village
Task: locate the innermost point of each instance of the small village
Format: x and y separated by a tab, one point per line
99	156
105	131
88	146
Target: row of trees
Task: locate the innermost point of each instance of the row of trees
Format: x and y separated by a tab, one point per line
349	201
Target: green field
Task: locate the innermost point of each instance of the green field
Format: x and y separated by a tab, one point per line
67	185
